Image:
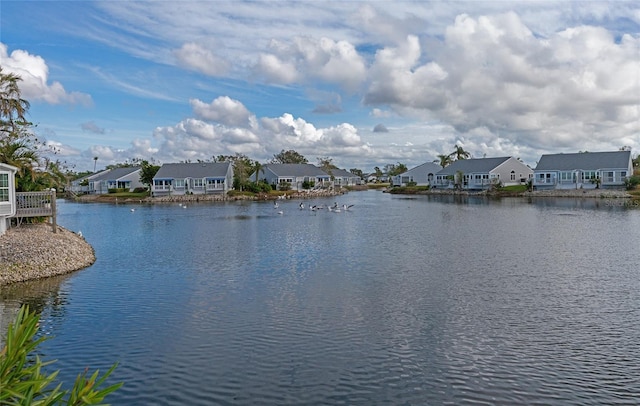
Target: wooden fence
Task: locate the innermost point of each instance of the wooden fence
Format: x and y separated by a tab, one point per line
36	204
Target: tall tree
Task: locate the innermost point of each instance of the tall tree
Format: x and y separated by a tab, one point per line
18	146
95	162
395	169
443	160
289	157
459	153
326	164
147	171
357	172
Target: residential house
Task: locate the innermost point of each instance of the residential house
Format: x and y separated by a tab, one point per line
422	175
81	185
193	178
481	173
7	195
294	175
587	170
343	177
117	178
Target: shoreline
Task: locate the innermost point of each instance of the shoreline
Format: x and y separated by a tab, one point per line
566	193
34	251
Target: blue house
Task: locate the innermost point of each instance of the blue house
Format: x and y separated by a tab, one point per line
193	178
584	170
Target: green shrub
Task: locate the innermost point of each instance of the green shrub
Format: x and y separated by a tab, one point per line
22	381
632	182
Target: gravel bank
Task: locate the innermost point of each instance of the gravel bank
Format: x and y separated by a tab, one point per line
33	251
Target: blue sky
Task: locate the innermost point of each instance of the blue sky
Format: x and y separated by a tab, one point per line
186	80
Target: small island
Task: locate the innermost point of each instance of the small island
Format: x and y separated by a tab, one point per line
33	251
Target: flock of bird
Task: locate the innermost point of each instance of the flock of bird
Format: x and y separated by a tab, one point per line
335	208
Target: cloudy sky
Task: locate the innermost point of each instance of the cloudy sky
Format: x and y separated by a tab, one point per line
365	83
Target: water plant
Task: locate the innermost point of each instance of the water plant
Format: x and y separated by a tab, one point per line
23	380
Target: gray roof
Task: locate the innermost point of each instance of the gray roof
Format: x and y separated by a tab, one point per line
584	161
427	166
477	165
295	170
115	173
193	170
342	173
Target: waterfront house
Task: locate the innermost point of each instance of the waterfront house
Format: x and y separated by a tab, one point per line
7	195
293	175
81	185
481	173
422	175
343	177
117	178
587	170
193	178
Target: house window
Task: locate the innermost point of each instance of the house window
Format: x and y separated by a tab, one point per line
286	180
179	183
513	175
4	187
588	175
197	183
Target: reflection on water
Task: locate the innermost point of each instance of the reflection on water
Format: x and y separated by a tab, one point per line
401	300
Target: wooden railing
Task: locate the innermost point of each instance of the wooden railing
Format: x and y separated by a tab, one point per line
37	204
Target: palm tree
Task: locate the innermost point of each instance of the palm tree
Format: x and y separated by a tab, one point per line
95	161
459	153
13	108
443	160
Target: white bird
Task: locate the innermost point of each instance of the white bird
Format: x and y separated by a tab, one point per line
184	206
345	207
132	210
79	233
280	212
275	205
301	206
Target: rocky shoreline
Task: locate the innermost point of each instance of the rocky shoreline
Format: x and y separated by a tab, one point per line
34	251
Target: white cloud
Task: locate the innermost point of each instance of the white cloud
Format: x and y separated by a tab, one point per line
198	58
306	59
223	110
34	72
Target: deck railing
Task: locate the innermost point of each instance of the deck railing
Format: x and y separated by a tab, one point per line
37	204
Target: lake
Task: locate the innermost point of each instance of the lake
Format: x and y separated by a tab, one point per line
400	300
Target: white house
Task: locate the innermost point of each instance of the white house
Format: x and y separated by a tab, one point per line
343	177
586	170
193	178
81	185
294	175
481	173
7	195
117	178
422	175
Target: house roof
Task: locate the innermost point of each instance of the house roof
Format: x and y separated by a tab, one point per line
8	167
295	170
477	165
584	161
342	173
115	173
427	166
193	170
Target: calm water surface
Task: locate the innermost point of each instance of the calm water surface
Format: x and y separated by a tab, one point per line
398	301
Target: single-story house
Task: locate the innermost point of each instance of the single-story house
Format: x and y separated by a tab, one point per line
81	185
422	175
117	178
193	178
7	195
293	174
481	173
587	170
343	177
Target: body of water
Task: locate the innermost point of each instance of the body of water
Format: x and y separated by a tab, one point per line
397	301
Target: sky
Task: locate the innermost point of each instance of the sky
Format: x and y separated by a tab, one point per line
364	83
